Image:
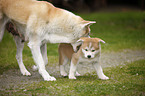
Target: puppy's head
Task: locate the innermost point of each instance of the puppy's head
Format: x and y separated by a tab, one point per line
90	46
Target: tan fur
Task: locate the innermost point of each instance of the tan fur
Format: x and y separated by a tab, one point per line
65	50
13	9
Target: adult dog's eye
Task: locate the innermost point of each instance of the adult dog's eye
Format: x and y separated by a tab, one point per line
93	50
86	49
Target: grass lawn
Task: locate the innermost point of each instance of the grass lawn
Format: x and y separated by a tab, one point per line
127	80
120	31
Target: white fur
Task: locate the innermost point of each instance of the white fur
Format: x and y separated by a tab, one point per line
74	45
99	71
62	71
72	71
3	22
90	45
20	46
89	52
62	67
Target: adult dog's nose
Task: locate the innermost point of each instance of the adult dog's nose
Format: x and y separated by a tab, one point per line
89	56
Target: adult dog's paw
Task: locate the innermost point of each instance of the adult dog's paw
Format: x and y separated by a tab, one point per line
104	77
49	79
25	72
72	77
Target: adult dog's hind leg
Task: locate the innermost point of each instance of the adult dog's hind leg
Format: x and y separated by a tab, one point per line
20	46
3	22
44	53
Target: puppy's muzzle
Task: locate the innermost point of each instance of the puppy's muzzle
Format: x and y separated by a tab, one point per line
89	56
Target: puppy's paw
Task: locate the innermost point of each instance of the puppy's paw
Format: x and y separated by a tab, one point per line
64	74
78	74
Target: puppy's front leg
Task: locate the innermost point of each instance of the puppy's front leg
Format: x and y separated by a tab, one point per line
72	71
40	62
73	67
99	71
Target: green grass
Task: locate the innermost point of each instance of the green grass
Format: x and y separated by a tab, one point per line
125	80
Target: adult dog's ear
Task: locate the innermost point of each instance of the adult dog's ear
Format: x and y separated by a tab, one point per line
100	40
87	23
82	39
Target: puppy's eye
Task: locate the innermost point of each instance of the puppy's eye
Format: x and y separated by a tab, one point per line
86	49
93	50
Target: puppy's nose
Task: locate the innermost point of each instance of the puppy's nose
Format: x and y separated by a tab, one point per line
89	56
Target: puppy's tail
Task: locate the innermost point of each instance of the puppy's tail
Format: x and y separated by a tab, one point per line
3	22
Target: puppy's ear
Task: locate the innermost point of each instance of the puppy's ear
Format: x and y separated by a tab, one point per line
100	40
87	23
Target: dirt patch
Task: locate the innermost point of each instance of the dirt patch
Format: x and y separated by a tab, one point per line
13	79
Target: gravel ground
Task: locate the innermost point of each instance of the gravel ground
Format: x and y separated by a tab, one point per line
12	79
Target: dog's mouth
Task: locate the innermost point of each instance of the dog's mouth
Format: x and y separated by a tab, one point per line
89	57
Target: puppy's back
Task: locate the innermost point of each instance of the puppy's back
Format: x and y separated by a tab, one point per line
65	50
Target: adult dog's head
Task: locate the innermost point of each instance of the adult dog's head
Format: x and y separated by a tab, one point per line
69	25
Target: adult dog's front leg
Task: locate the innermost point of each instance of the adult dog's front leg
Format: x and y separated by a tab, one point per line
36	52
44	55
99	71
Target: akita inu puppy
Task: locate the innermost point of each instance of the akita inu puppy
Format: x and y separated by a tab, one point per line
89	51
39	22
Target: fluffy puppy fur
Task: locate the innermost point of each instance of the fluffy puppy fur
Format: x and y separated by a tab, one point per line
89	52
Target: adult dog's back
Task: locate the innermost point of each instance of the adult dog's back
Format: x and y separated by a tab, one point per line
19	11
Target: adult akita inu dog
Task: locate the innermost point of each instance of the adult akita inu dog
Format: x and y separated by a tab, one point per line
39	22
